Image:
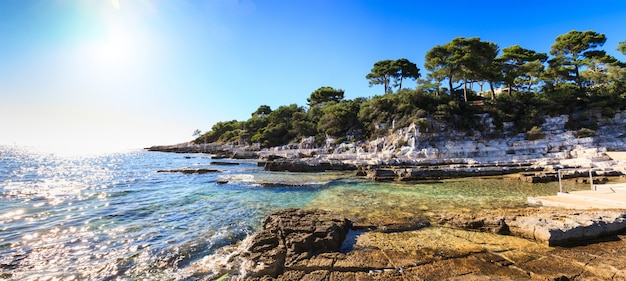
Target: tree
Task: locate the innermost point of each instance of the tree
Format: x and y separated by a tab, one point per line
463	59
218	131
196	133
480	63
338	118
280	127
406	69
622	47
382	72
443	63
597	70
571	51
325	94
263	110
518	62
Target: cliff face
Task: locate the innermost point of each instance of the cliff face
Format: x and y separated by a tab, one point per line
435	141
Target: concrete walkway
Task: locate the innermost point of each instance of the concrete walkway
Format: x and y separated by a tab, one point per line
606	196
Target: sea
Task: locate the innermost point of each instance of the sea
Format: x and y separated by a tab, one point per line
117	216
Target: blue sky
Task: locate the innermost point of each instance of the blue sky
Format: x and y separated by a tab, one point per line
132	73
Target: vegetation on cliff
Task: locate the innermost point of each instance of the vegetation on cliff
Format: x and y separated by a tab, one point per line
578	79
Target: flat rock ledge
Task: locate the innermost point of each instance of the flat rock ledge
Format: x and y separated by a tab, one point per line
417	173
308	165
554	227
437	169
295	244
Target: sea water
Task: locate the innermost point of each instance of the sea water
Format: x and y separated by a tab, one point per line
115	217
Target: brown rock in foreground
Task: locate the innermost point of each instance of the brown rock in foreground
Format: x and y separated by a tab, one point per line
292	235
296	244
437	253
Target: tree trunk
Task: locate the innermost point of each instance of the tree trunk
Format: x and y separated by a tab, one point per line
481	83
465	90
580	84
386	84
439	87
493	92
400	86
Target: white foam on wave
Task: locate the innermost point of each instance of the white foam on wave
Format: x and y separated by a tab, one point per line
246	178
227	260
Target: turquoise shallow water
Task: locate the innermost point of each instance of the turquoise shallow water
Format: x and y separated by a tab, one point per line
114	217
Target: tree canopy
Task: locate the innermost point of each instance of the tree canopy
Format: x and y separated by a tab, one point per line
520	66
385	70
406	70
464	60
263	110
581	80
572	51
325	94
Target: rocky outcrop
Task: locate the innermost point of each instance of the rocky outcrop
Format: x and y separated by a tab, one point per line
308	165
189	147
219	150
443	172
551	226
289	236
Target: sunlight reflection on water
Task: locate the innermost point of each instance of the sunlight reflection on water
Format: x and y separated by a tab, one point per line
113	216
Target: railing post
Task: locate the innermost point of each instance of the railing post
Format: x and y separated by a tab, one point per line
591	179
560	183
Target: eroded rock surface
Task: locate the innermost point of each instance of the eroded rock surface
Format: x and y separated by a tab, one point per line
296	244
308	165
551	226
292	235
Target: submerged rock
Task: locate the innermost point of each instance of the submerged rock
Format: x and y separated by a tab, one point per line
220	163
391	225
190	171
285	184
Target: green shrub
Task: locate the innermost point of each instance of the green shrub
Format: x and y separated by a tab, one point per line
422	124
535	133
585	133
401	143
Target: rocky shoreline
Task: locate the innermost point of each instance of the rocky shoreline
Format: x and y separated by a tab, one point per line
382	167
295	244
413	154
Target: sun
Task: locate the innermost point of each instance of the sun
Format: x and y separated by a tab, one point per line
116	48
116	4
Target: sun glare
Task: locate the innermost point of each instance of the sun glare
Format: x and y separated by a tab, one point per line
83	130
116	4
